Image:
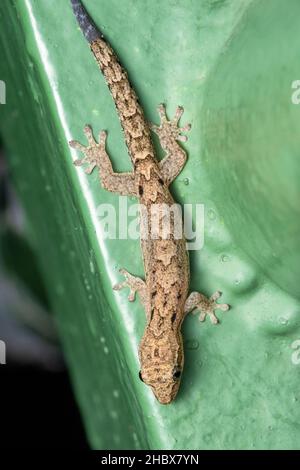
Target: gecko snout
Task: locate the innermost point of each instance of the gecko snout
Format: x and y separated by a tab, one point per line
164	382
165	393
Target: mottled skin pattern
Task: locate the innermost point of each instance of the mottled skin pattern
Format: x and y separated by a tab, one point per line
164	293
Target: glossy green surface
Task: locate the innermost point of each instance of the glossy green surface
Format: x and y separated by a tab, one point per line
231	65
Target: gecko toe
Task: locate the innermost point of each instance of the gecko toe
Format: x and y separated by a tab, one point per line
178	113
223	307
89	135
102	138
186	128
78	162
213	319
131	296
90	169
77	145
162	112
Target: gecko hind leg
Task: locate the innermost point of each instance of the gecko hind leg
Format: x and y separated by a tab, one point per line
207	306
169	133
96	156
135	284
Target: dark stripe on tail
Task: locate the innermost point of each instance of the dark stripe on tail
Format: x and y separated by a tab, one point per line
86	24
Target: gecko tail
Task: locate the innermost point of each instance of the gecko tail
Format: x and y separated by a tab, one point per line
88	27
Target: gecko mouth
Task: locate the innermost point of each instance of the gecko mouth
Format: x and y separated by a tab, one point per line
164	401
166	394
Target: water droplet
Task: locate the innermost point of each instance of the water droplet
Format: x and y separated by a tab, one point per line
102	339
192	344
135	438
106	350
211	214
113	414
283	321
92	326
92	267
86	282
116	393
48	188
224	258
186	181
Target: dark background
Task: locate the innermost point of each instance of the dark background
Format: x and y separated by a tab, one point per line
38	408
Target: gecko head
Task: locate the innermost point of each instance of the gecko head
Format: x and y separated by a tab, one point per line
162	360
164	379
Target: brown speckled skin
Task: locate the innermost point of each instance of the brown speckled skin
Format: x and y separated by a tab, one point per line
166	261
164	293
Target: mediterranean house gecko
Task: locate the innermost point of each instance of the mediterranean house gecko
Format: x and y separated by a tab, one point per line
164	293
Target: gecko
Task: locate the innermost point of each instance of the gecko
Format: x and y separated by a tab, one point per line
164	293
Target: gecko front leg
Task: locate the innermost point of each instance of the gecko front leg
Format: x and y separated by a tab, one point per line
95	154
135	284
169	133
207	306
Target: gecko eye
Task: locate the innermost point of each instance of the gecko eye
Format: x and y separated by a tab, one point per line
176	374
140	376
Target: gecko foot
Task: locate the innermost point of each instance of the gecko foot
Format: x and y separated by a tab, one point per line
93	152
134	283
207	306
169	131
